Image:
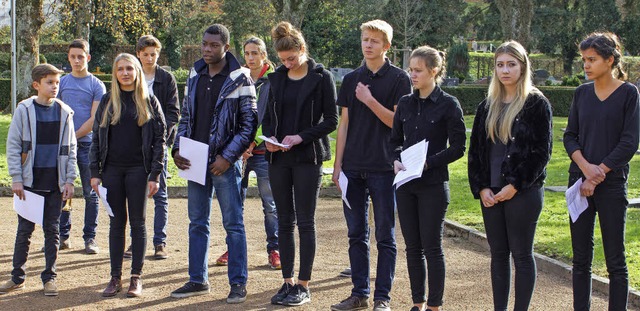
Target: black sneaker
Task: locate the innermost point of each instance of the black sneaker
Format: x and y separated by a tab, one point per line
190	289
282	294
298	295
238	293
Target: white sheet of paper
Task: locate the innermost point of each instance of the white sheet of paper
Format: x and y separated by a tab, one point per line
576	203
197	153
31	209
413	159
103	198
343	181
265	138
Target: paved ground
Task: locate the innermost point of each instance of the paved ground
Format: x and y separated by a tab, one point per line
83	277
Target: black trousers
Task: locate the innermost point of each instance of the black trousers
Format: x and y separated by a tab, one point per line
51	228
295	189
421	211
126	194
510	228
609	201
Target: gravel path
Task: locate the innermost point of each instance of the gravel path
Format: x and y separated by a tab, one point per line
81	278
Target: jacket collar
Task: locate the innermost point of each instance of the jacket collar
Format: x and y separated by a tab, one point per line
158	77
434	96
384	69
233	63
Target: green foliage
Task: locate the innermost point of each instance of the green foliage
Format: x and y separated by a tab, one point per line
5	97
571	80
628	31
5	61
56	58
458	61
181	75
470	96
42	59
484	19
100	42
5	34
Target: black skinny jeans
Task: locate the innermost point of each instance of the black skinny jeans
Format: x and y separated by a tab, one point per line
421	211
610	203
51	228
126	194
510	227
295	190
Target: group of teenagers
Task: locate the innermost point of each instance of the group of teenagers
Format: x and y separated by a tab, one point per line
119	140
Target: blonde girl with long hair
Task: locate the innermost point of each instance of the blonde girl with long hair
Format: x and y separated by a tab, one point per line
127	154
510	147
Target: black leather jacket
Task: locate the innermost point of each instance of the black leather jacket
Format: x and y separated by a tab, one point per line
528	150
165	89
153	141
317	113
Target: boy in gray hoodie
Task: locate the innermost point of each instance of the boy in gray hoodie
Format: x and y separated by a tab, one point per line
41	156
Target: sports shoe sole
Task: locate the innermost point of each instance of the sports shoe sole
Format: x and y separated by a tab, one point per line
11	290
296	303
357	308
236	300
50	294
189	294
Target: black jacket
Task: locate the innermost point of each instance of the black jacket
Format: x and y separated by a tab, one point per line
528	150
165	90
316	114
153	141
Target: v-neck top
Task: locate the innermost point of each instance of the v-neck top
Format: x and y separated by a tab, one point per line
605	131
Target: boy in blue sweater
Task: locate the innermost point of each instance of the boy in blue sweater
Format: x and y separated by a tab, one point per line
41	156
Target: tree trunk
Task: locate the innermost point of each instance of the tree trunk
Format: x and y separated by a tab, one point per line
292	11
29	20
83	18
515	20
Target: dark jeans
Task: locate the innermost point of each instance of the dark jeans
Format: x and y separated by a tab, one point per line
421	210
90	198
260	166
161	212
295	190
379	187
511	226
126	194
610	203
50	226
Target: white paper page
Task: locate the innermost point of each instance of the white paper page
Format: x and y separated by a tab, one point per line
343	181
267	139
31	208
413	159
102	193
576	203
197	153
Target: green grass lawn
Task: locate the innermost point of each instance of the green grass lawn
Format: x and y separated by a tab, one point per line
552	238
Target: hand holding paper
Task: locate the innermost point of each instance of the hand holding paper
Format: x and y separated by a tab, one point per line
31	208
413	159
273	142
102	193
198	154
576	203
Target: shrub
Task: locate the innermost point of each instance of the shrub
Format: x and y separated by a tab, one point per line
56	58
181	75
571	80
458	61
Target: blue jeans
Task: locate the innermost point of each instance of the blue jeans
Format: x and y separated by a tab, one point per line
378	186
227	188
161	215
90	199
259	164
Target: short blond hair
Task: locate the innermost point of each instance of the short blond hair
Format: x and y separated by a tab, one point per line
381	26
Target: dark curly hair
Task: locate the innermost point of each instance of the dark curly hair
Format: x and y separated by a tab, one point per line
606	44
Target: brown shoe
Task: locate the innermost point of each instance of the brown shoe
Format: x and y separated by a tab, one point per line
113	288
160	253
135	288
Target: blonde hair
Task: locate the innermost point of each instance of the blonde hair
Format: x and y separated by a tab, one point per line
381	26
433	59
501	115
140	95
286	38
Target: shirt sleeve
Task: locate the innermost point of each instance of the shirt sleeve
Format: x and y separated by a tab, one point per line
99	90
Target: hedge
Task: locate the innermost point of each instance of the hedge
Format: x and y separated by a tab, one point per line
471	96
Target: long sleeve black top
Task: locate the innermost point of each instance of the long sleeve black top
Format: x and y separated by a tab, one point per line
437	119
605	131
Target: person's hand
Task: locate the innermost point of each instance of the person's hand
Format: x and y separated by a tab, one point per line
249	153
486	197
594	172
219	166
363	93
336	175
18	189
397	167
181	163
95	182
587	188
291	140
506	193
67	193
271	147
153	188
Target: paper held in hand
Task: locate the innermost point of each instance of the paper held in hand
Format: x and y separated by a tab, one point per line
413	159
198	154
576	203
102	193
31	208
267	139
